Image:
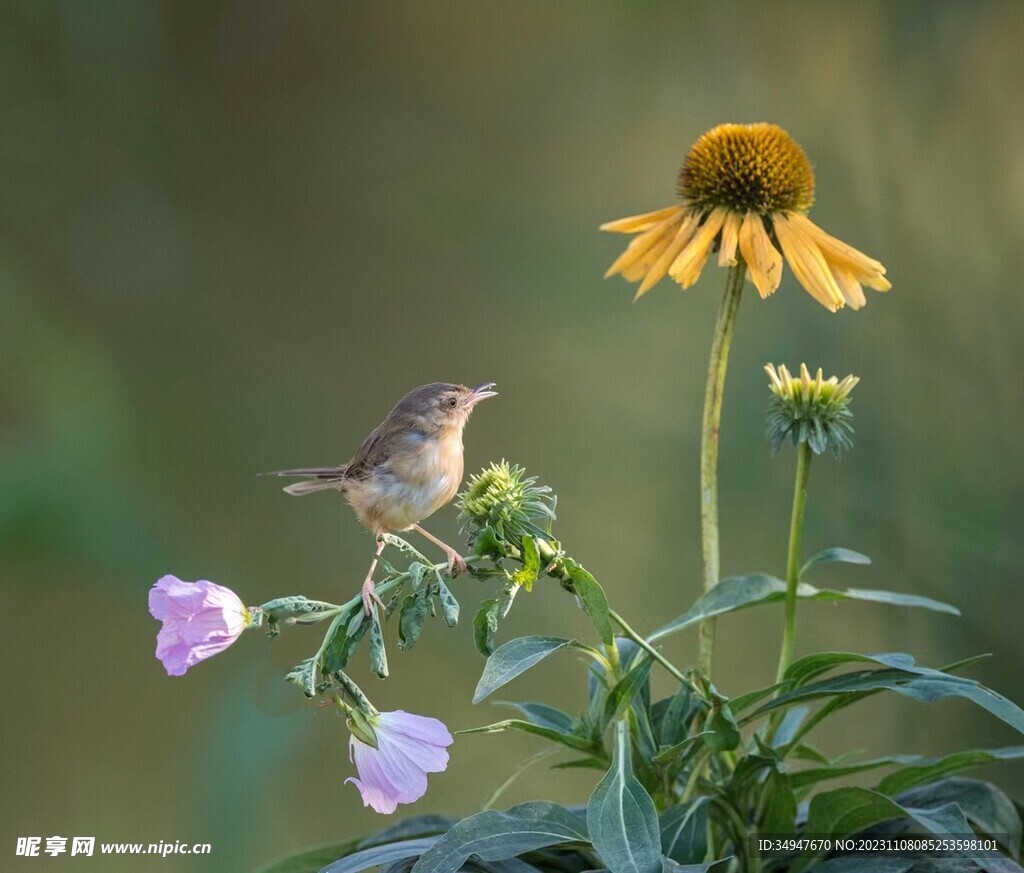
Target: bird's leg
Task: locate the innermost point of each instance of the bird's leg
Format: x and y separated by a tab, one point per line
368	594
455	563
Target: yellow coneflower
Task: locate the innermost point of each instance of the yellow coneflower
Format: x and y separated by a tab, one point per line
746	187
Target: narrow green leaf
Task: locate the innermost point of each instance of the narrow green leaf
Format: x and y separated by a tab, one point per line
381	856
929	770
741	592
684	831
496	836
304	675
840	555
513	658
378	654
572	740
594	602
629	687
485	626
410	620
621	817
449	605
544	715
813	775
428	825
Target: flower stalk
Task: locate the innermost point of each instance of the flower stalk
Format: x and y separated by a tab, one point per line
717	365
796	532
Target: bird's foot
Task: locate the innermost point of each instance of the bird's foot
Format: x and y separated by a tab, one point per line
369	595
456	565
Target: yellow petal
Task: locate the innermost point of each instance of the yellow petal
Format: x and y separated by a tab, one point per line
840	255
637	271
850	287
763	260
637	223
669	254
642	245
807	263
730	239
686	268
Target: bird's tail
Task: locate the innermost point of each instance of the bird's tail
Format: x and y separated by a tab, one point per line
318	479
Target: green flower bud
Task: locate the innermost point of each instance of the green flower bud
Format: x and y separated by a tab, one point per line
810	410
503	498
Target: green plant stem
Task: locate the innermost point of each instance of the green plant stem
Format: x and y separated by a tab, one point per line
717	364
647	647
796	533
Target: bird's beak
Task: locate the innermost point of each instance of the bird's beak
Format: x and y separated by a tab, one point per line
481	392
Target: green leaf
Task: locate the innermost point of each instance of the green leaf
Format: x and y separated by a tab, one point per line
381	856
684	831
670	866
378	654
721	725
311	859
495	836
485	626
777	813
344	634
545	716
789	725
986	806
862	864
850	810
513	658
449	605
922	771
813	775
740	592
592	599
629	687
674	720
304	675
418	826
908	679
530	570
829	556
572	740
621	817
410	620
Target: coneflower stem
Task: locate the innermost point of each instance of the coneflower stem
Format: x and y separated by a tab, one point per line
796	534
717	364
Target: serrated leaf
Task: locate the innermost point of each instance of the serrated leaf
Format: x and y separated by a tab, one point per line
514	658
485	626
621	817
741	592
496	836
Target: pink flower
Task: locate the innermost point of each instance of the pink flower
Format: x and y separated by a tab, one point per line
200	619
408	748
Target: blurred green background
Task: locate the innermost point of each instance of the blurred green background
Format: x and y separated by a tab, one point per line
233	234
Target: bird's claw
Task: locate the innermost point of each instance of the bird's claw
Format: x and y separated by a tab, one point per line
370	597
456	565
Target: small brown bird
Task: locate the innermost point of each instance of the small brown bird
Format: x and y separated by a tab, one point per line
407	469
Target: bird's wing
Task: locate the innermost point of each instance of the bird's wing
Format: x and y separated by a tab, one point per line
378	447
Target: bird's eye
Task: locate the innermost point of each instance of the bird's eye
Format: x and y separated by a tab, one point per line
453	402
